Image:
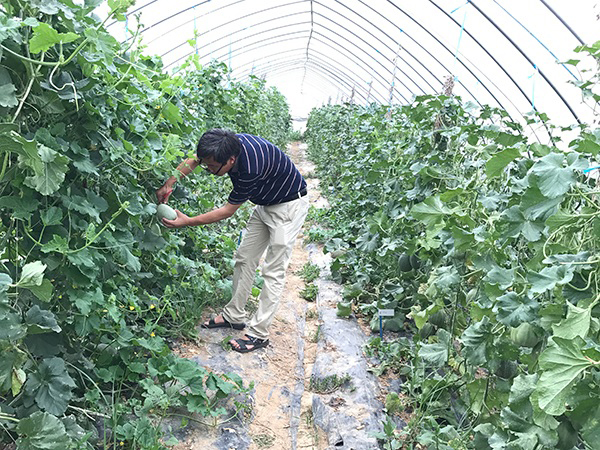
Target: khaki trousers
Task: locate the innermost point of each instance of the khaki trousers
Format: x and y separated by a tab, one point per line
273	228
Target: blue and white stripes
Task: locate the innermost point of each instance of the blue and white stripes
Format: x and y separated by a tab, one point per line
264	174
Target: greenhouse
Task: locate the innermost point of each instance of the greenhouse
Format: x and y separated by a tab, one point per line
303	224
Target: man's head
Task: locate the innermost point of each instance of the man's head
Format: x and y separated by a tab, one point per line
218	150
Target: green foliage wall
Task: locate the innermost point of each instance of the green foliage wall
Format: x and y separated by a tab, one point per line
501	306
92	289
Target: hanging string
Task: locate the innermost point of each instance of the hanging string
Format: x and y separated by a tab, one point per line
462	28
195	32
533	76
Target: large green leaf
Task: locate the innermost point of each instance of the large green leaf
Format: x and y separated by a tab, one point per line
42	431
431	211
500	160
554	179
50	171
515	309
9	362
436	354
562	363
549	277
7	95
41	321
476	340
32	274
22	207
577	322
51	386
44	37
11	326
503	278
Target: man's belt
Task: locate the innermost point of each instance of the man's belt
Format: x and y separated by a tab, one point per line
295	196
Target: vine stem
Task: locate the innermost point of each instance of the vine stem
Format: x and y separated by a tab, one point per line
7	417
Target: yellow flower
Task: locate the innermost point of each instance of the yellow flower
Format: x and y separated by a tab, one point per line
152	306
152	334
121	443
132	308
60	296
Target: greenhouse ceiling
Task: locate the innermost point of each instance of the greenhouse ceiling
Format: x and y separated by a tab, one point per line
506	53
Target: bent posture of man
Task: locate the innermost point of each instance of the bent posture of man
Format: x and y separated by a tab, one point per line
263	174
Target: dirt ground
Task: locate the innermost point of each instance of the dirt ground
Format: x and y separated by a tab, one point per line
281	416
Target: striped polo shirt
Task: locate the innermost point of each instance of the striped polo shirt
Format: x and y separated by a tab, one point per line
263	173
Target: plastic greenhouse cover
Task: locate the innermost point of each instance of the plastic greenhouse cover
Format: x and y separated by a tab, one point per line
506	53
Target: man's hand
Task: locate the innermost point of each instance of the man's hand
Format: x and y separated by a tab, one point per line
164	192
181	221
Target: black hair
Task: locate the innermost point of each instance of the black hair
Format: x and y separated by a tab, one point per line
218	144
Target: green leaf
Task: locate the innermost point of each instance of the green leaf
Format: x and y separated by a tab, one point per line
42	431
8	98
431	211
515	309
476	340
435	355
500	160
9	362
534	205
562	363
32	274
11	328
577	322
22	207
41	321
503	278
50	171
43	291
51	386
172	114
44	37
549	277
56	244
52	216
554	179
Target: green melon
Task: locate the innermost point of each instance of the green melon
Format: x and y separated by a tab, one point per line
404	263
525	335
164	211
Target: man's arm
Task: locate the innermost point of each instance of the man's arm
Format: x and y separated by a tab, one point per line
185	168
215	215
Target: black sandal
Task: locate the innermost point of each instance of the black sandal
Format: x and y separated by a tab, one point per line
225	324
244	343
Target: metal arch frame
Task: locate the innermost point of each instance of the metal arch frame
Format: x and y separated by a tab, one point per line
561	20
450	51
434	58
384	84
272	29
518	48
327	80
313	67
332	67
284	70
364	51
333	71
258	42
298	23
387	46
502	68
235	20
297	2
504	34
319	63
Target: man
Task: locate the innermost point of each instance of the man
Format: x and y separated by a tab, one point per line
263	174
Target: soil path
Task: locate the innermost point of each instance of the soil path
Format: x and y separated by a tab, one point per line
281	412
